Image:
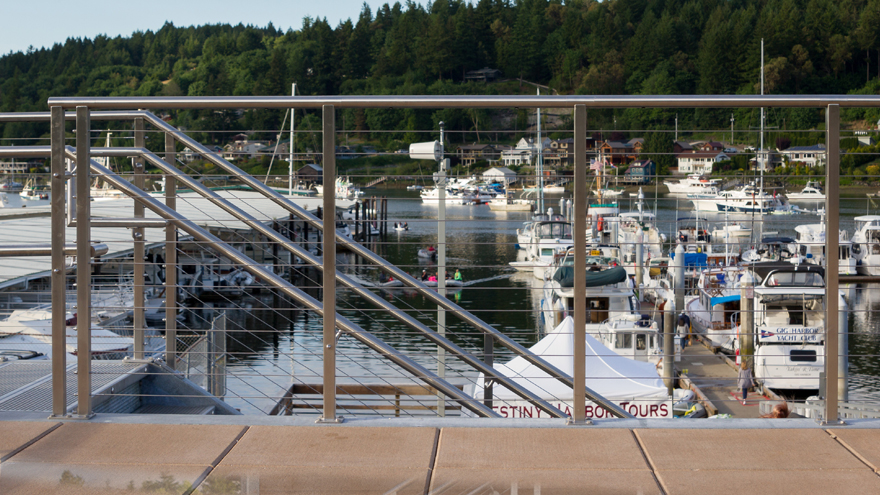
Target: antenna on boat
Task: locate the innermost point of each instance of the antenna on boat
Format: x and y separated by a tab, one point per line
764	161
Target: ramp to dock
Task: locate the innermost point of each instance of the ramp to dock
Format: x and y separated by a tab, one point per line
127	454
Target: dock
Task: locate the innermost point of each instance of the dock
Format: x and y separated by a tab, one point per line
260	455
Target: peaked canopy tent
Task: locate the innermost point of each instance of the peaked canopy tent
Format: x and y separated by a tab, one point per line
633	385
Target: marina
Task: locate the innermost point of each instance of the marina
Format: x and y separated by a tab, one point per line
467	314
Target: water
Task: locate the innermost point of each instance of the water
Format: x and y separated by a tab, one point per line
480	243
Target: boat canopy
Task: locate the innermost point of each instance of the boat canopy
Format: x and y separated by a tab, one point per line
777	240
693	260
565	276
723	299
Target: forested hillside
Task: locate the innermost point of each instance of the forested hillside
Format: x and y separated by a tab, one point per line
577	46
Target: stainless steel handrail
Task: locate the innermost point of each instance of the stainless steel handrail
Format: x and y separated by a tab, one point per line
489	101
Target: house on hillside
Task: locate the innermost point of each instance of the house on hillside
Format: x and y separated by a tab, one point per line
681	147
482	75
640	172
618	152
699	162
243	148
310	173
523	153
809	156
472	153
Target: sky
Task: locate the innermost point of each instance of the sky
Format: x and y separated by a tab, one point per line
42	23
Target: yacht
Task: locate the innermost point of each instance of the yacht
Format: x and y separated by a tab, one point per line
866	244
694	184
747	199
714	311
789	325
810	244
811	192
453	196
545	239
345	189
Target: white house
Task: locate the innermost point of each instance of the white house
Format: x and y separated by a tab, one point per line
499	174
14	167
522	154
810	156
699	162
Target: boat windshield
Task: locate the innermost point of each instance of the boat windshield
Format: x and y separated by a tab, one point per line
795	279
554	230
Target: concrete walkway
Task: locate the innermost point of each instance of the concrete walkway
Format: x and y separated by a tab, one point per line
207	455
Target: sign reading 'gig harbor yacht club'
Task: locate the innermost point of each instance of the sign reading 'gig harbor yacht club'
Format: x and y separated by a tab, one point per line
790	334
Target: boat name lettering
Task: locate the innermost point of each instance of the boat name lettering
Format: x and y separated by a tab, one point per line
591	411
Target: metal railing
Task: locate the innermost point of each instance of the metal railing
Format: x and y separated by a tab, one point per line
82	154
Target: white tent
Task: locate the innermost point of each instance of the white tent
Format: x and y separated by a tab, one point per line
502	174
633	385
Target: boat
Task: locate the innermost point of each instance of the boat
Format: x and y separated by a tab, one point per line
694	184
789	325
449	283
714	311
506	203
453	196
747	199
10	186
428	253
414	187
811	192
345	189
771	248
33	192
866	244
610	193
401	226
810	246
632	385
731	231
545	239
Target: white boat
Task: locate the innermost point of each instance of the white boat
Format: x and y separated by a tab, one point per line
10	186
694	184
414	187
811	192
401	226
714	312
810	244
449	283
345	189
453	196
747	199
427	254
632	385
789	325
546	239
731	231
866	244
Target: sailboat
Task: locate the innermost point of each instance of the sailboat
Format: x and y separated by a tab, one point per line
102	191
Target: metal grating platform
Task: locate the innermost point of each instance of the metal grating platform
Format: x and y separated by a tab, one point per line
27	385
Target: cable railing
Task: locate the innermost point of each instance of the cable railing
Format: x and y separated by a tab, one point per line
279	268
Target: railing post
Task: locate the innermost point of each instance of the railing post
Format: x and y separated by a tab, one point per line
83	264
832	245
59	272
138	234
441	277
329	277
579	375
170	259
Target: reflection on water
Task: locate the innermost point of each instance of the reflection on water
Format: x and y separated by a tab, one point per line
480	243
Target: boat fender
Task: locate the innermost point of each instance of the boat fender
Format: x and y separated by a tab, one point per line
600	224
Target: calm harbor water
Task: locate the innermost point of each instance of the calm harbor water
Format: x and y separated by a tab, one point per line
480	242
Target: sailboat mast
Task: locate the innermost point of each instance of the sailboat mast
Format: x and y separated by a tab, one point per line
290	166
761	146
540	164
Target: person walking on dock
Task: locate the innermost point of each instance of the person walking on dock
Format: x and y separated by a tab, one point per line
744	380
684	324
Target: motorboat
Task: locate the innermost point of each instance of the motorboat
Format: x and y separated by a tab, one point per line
344	188
810	246
772	248
811	192
632	385
714	311
747	199
731	231
866	244
546	239
401	226
414	187
428	253
694	184
453	196
789	307
504	202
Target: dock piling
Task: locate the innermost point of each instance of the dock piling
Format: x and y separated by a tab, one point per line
668	344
